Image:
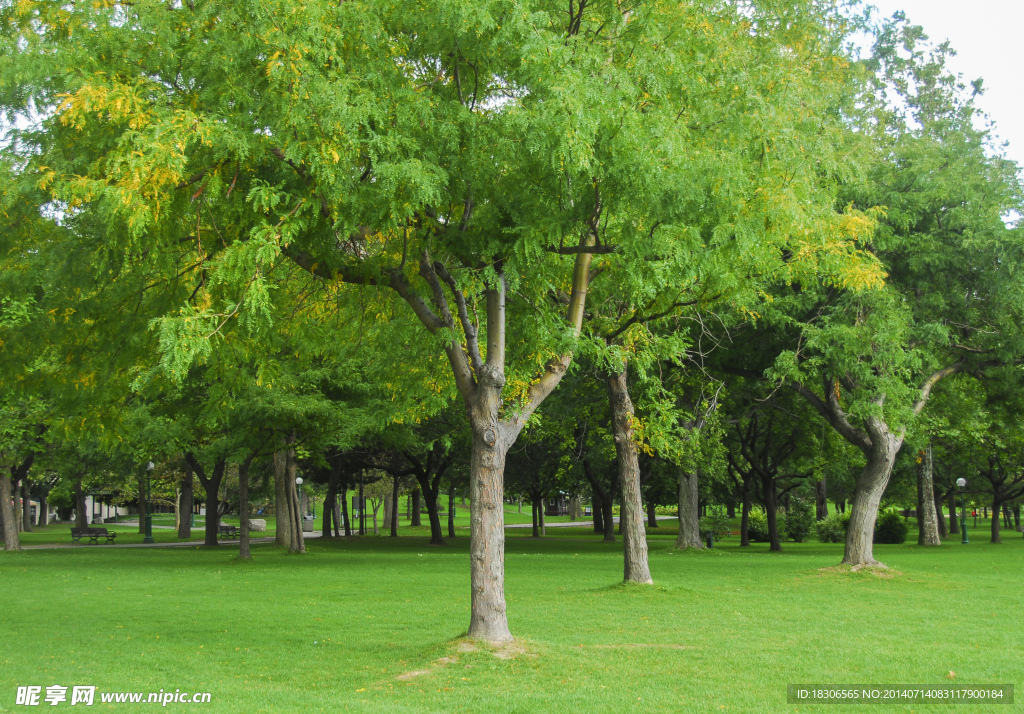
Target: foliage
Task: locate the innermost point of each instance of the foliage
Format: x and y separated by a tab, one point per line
833	528
757	525
799	520
716	522
891	527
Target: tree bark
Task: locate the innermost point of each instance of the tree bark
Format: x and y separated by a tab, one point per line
417	507
186	504
81	517
11	539
362	509
771	510
689	520
43	516
597	511
394	510
243	509
297	540
954	522
871	484
26	503
540	518
344	510
329	500
940	517
927	520
536	520
996	507
451	512
430	494
1016	518
282	509
211	485
820	499
386	517
652	514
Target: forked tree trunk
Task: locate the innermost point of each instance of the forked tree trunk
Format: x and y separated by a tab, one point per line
954	522
996	507
11	540
871	486
689	520
26	503
211	485
297	540
186	504
927	521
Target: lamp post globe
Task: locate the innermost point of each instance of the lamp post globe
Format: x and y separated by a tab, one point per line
961	483
148	538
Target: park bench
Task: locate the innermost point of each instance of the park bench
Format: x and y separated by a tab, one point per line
93	534
229	531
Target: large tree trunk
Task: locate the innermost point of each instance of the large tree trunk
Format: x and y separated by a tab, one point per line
43	516
243	509
186	504
996	506
26	504
11	540
417	507
940	517
820	499
689	520
954	522
491	441
871	486
211	485
597	511
297	539
771	509
394	510
927	521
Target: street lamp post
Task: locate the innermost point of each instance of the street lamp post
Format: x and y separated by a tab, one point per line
961	483
302	515
149	507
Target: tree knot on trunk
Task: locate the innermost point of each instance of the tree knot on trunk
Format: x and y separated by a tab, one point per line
491	376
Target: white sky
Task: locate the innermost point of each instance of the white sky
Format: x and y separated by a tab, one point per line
987	37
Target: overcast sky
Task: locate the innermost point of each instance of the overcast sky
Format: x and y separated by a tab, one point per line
987	37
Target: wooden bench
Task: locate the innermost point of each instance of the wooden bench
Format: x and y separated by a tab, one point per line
93	534
229	531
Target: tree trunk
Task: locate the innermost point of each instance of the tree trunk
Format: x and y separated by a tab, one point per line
536	521
954	522
608	506
376	529
417	507
386	518
362	509
771	509
689	521
430	493
745	516
81	516
142	505
243	509
185	504
11	540
394	511
329	499
927	521
282	509
634	537
821	500
26	503
211	485
1016	518
940	517
297	540
871	486
540	518
652	514
451	512
43	516
996	506
336	513
344	510
597	511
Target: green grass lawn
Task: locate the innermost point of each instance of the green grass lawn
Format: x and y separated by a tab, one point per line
373	624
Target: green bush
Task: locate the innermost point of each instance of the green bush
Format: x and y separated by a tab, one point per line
891	527
715	522
833	528
799	521
757	525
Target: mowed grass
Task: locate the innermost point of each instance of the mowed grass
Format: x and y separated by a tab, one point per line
374	624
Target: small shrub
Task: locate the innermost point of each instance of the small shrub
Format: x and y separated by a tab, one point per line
833	528
757	525
799	521
891	527
715	522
